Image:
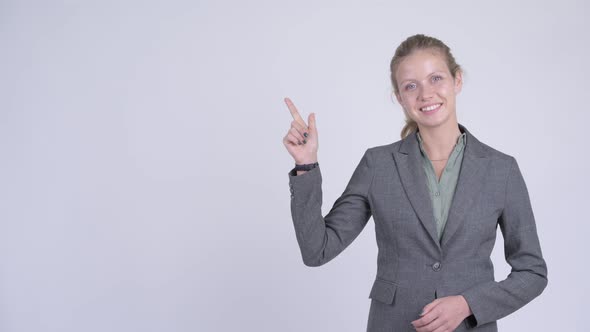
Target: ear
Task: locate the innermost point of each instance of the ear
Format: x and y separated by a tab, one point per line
458	81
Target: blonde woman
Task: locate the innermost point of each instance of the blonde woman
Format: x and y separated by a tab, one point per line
436	196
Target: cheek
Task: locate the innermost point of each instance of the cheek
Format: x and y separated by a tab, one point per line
408	104
448	91
408	97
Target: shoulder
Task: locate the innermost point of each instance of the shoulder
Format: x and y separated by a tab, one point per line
478	148
494	153
384	151
499	159
382	156
500	163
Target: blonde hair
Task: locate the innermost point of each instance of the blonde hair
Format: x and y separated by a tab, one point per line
407	47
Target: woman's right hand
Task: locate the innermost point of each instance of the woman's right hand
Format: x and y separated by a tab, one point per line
301	140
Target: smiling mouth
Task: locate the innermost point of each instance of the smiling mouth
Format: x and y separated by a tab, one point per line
430	108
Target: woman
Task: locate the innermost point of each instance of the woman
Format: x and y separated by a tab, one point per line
437	197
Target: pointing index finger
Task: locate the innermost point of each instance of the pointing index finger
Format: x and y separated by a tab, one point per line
294	112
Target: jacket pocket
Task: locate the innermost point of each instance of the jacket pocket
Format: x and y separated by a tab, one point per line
383	291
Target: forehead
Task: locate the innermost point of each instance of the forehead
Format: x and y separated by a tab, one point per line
421	63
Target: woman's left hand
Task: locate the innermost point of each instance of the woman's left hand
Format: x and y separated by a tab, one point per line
443	314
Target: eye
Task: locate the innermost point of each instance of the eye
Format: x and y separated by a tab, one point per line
410	86
436	78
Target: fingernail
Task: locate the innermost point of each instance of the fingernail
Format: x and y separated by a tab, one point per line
305	134
304	141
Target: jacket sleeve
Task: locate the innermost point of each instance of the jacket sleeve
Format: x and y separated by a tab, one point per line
528	277
320	238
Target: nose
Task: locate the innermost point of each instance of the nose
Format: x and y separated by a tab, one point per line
426	92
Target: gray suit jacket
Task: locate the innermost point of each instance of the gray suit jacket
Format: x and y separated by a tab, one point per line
413	267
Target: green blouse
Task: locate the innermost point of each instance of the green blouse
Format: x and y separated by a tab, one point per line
441	192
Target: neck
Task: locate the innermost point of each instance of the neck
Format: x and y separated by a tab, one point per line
439	141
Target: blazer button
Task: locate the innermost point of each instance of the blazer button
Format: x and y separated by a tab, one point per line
436	266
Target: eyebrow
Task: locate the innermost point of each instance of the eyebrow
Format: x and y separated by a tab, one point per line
434	72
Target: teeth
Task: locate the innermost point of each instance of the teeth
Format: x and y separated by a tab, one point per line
430	108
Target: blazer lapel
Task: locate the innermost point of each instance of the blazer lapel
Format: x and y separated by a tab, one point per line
413	179
471	176
469	184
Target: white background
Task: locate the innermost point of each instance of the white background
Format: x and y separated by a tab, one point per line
143	179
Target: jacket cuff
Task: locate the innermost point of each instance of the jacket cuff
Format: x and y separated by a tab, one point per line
302	185
294	178
477	312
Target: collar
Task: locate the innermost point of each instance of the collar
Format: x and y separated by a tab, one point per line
410	144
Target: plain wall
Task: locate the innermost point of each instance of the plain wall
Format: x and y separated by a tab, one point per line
143	179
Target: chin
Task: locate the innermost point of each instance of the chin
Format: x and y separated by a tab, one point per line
432	121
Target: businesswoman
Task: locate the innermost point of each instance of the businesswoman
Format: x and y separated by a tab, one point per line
436	196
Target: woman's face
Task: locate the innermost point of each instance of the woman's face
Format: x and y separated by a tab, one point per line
427	89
